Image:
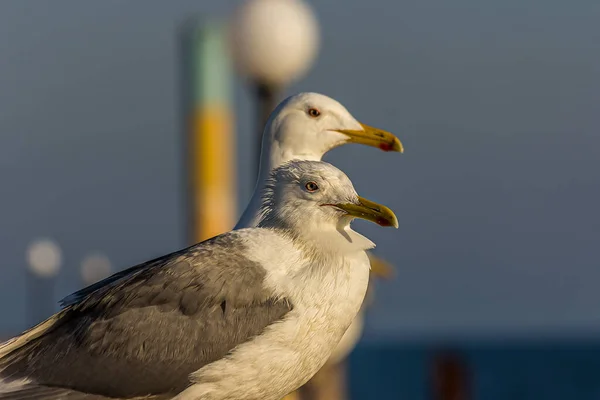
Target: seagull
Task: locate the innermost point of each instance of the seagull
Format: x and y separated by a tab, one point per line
305	126
249	314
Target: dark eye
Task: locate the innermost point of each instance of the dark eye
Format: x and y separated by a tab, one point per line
311	186
313	112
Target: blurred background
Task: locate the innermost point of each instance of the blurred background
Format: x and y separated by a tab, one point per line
103	120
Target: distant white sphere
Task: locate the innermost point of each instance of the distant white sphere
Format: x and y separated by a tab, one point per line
274	41
44	258
94	268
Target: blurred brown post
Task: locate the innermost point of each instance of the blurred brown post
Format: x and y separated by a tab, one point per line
266	101
450	377
328	384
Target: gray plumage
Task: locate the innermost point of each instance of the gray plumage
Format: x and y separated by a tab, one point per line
142	331
55	393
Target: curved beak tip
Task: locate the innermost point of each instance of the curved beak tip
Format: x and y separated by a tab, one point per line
370	211
387	222
396	145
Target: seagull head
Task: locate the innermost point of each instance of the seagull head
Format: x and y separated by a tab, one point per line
317	201
307	125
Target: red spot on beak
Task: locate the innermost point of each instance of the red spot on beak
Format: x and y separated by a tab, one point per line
385	146
383	222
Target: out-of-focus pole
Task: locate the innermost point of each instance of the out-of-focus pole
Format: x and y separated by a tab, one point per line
450	377
266	100
328	384
211	145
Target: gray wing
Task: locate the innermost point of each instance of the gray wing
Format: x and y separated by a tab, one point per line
144	332
79	295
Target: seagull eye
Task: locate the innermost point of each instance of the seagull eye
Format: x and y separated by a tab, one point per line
311	186
313	112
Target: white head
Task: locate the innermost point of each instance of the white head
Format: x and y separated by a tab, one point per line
316	202
308	125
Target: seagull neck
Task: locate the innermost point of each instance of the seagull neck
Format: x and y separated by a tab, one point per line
320	239
278	156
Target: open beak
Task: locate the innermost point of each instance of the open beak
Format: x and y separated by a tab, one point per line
373	137
370	211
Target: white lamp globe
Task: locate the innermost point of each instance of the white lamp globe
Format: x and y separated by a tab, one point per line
44	258
274	41
94	268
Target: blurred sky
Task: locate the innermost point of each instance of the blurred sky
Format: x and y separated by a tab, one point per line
497	103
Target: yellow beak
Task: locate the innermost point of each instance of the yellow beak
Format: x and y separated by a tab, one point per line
373	137
370	211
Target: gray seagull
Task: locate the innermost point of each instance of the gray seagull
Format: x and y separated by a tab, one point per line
250	314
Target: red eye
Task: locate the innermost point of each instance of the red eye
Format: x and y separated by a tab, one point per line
313	112
311	186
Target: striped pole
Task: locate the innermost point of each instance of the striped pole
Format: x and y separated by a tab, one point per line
211	144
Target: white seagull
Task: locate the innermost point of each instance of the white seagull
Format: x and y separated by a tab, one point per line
250	314
305	127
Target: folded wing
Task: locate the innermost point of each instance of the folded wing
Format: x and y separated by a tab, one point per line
144	330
